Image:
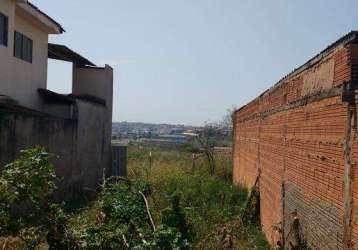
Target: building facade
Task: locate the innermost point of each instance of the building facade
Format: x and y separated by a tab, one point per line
23	72
297	143
76	127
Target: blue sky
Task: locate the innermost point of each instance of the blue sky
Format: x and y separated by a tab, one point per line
187	61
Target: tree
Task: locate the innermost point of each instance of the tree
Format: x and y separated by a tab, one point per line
227	122
206	140
214	135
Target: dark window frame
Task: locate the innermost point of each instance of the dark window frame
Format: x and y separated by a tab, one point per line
4	30
23	47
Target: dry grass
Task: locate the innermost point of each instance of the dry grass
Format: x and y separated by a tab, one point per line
213	203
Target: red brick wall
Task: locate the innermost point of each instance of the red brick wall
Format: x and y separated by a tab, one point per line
294	136
315	170
354	65
272	152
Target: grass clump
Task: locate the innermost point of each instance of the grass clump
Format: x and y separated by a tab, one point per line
211	203
202	198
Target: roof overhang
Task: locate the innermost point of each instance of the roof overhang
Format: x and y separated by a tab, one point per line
53	97
53	27
63	53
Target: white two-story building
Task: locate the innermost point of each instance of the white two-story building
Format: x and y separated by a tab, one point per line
24	33
77	126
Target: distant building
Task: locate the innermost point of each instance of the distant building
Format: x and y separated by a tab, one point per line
76	127
166	141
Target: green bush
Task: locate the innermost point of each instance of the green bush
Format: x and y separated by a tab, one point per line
25	187
27	210
123	221
175	217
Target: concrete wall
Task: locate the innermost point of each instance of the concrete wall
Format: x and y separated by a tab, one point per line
93	81
93	142
23	129
298	141
98	82
20	79
81	144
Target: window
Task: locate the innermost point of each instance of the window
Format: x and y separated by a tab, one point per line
3	29
22	47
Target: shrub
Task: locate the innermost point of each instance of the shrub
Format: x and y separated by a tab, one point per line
123	221
25	186
175	217
26	206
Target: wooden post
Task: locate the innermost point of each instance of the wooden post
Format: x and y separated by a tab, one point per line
193	164
150	163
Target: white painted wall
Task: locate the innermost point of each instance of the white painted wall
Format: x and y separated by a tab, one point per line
7	7
20	79
28	77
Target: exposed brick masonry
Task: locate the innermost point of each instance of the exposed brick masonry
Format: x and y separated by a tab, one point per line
298	137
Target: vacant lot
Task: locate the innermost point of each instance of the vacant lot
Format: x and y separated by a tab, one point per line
212	203
169	201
